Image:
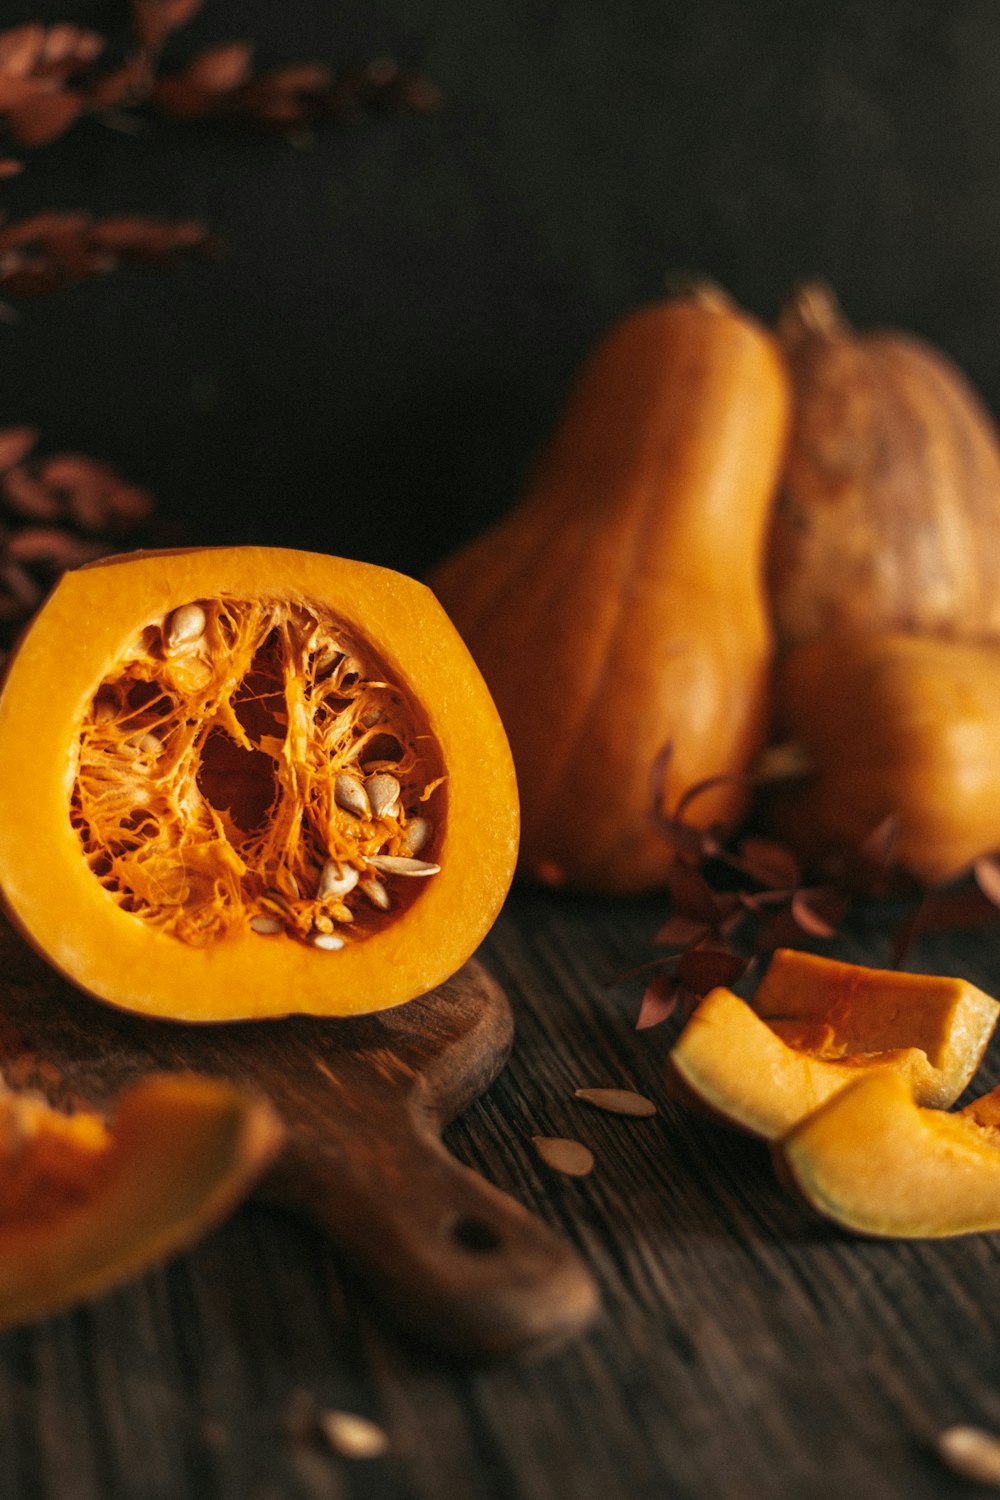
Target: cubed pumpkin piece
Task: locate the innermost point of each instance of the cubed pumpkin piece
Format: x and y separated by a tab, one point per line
816	1024
875	1161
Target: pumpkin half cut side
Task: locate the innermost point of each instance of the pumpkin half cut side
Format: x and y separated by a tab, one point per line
247	782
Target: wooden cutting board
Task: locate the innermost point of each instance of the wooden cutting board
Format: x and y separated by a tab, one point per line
446	1255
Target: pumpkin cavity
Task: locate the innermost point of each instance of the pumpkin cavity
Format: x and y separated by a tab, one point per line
252	764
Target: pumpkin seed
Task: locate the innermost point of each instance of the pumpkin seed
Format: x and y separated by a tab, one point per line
972	1453
150	744
617	1101
336	880
266	924
349	793
383	794
562	1155
417	834
376	892
328	941
327	653
352	1436
401	864
187	625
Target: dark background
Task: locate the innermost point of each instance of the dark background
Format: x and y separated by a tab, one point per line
373	364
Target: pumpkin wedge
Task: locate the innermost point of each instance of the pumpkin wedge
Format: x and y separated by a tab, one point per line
817	1024
243	782
85	1205
876	1162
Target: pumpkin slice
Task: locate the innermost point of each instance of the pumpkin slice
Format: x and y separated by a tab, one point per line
85	1205
243	782
817	1024
875	1161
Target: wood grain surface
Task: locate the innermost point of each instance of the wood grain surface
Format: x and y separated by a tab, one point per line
459	1264
745	1349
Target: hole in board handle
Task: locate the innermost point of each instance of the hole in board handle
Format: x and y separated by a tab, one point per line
474	1234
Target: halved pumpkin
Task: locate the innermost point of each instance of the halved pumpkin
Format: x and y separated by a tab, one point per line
243	782
874	1161
85	1205
815	1025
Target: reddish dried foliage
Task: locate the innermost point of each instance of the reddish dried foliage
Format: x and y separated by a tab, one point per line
733	900
51	75
56	512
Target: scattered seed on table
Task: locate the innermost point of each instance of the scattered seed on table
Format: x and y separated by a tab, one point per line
617	1101
563	1155
352	1436
972	1453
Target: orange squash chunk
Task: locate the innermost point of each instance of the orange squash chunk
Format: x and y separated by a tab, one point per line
875	1161
85	1205
243	782
815	1025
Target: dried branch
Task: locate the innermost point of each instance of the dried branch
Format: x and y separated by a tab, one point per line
51	76
56	512
734	900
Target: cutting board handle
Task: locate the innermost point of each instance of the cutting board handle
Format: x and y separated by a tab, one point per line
454	1260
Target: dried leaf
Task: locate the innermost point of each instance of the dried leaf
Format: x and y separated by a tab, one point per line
16	443
691	894
817	912
43	118
52	547
154	20
703	969
659	1001
27	497
771	864
20	48
680	931
221	69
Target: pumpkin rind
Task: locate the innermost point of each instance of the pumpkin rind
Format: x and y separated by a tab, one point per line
619	609
53	897
182	1152
891	486
894	726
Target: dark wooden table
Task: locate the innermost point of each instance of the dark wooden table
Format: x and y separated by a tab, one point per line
744	1348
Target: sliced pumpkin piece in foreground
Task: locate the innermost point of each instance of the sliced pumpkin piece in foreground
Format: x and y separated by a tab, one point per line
815	1025
246	781
86	1205
875	1161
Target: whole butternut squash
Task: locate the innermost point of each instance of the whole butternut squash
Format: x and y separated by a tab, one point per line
894	725
889	509
619	610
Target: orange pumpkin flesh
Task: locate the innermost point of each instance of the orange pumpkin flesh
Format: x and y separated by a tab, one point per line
244	782
816	1025
875	1162
84	1206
